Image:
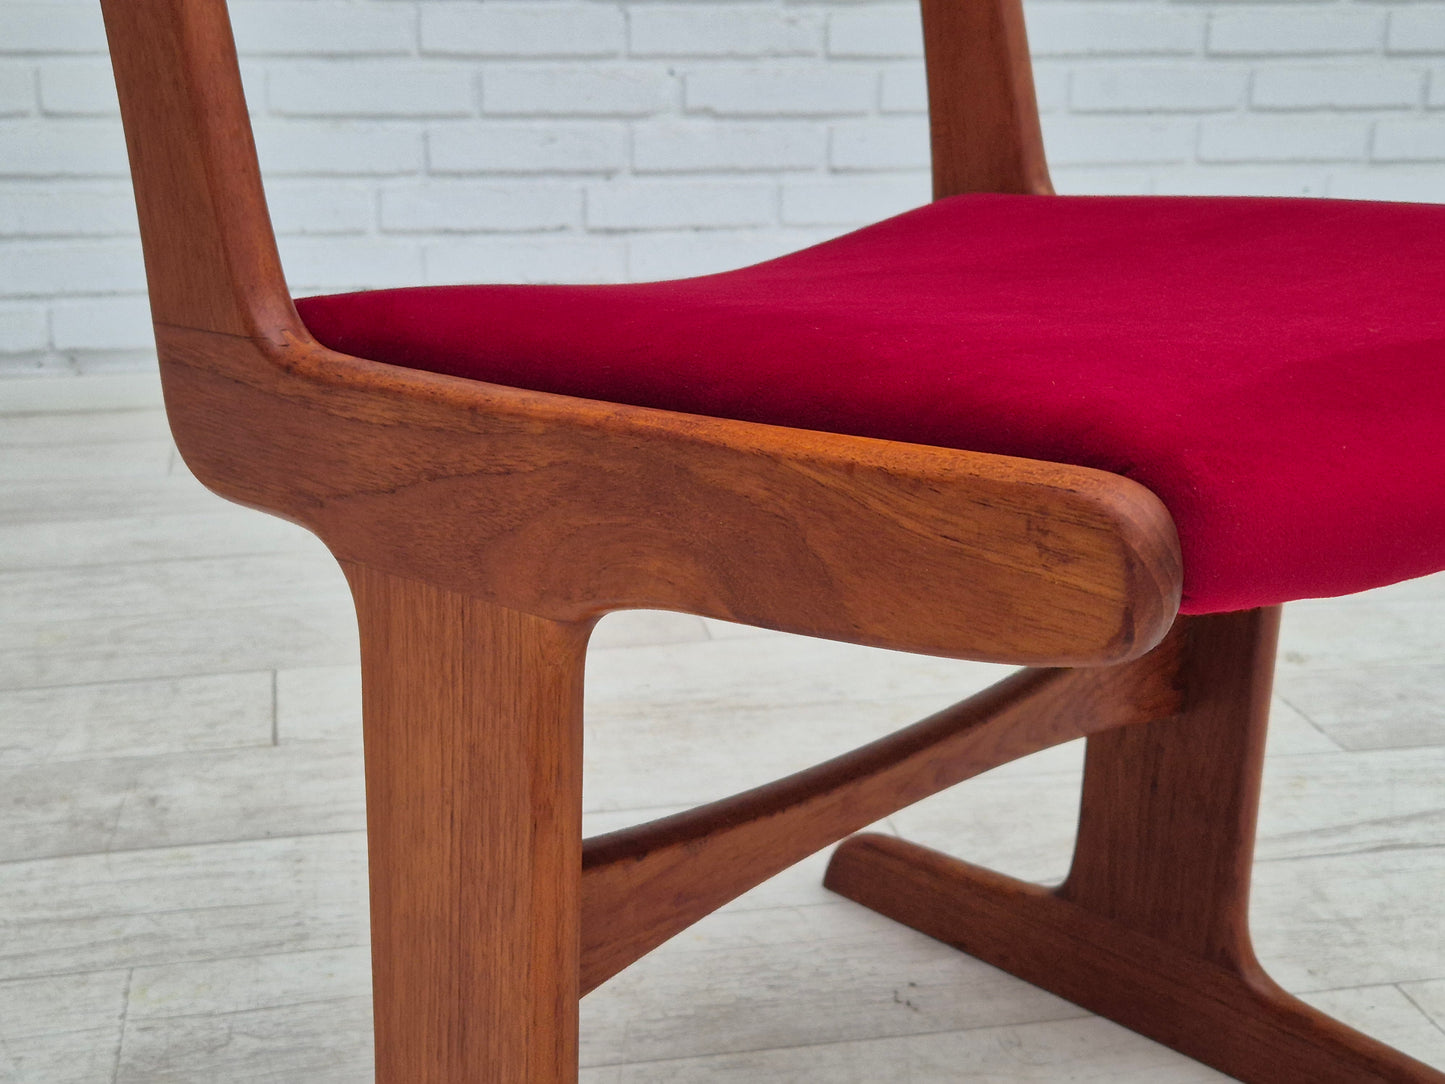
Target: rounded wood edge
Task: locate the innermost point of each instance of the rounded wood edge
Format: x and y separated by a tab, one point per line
350	448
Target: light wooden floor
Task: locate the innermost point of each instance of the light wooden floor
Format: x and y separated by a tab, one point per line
182	872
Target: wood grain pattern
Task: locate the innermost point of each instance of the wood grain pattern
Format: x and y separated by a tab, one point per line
1168	811
210	253
1240	1023
568	508
983	114
1151	926
473	730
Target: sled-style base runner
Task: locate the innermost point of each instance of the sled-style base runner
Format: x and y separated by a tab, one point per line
1150	929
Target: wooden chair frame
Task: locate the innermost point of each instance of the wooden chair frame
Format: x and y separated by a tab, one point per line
485	529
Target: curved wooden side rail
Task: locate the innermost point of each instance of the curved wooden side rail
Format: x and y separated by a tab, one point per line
568	508
643	885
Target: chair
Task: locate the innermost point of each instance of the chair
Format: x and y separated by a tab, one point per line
488	505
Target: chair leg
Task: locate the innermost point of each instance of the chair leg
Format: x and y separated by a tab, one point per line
473	729
1150	929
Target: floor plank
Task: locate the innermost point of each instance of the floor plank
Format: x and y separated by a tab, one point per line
165	645
105	911
72	500
122	459
226	530
135	718
132	803
83	427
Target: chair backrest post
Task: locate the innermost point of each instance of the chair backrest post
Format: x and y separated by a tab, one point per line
210	253
983	112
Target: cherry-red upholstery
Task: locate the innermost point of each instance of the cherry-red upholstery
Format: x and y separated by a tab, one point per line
1273	369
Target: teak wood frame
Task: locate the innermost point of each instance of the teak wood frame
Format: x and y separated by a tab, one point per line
485	529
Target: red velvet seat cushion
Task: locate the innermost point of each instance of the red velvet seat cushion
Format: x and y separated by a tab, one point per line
1273	369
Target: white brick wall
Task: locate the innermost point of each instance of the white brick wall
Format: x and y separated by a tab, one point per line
414	141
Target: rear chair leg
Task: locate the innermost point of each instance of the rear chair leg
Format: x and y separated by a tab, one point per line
1150	929
473	727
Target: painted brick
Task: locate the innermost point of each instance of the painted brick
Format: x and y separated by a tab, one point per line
1417	28
849	201
51	268
876	31
338	149
456	206
1408	184
67	210
77	148
903	89
1097	141
329	264
573	90
1410	141
759	91
1071	28
103	323
1337	86
17	89
522	30
879	144
79	87
323	28
325	207
370	89
1284	139
51	28
722	146
1248	180
1175	88
654	256
253	86
23	329
534	259
1437	88
667	205
1051	85
1102	180
1304	29
527	147
737	30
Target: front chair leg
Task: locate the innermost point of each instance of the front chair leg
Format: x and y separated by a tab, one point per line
1150	929
473	729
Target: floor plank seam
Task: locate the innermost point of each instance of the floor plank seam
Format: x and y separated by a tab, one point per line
1076	1014
1383	848
1307	717
24	570
11	863
124	1016
1434	1023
